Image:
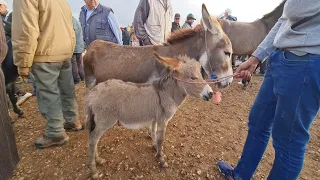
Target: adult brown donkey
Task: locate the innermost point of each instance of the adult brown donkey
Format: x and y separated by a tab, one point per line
207	43
246	37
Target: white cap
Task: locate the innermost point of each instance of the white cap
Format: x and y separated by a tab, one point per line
3	2
228	11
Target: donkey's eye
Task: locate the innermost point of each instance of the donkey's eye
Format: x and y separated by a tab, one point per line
194	78
227	54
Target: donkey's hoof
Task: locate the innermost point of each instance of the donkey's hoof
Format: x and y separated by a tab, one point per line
100	161
164	165
95	176
20	115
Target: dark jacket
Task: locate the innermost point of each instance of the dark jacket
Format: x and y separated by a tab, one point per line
175	26
187	25
125	37
97	26
232	18
9	155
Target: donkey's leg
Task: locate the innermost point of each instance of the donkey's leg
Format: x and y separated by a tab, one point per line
160	136
10	88
95	136
153	130
99	160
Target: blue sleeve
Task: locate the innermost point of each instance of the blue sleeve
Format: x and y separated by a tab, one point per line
115	27
266	47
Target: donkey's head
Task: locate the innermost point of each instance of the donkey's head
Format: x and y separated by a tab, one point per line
215	56
186	72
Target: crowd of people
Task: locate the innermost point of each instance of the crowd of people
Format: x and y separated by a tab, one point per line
48	43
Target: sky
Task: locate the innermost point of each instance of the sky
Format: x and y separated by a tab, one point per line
244	10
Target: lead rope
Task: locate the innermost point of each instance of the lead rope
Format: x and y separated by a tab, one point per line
213	81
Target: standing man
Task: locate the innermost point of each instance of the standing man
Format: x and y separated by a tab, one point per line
43	39
9	157
99	23
77	65
176	22
152	21
125	36
289	97
189	21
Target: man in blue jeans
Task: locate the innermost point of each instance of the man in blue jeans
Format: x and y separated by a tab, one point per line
289	98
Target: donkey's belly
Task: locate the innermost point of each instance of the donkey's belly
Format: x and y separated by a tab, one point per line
136	125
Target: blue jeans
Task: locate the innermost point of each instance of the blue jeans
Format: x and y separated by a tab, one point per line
286	105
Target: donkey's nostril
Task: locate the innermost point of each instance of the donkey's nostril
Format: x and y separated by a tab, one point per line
210	94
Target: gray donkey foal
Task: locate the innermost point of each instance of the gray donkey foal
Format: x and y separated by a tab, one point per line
135	106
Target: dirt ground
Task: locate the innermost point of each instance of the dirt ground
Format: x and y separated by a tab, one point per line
199	135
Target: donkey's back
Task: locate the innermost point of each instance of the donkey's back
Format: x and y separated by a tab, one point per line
105	60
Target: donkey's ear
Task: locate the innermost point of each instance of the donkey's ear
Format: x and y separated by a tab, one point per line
209	22
171	64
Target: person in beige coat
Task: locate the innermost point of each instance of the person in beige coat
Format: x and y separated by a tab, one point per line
152	21
44	40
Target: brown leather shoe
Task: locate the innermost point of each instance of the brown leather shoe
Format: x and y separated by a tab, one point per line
44	141
76	126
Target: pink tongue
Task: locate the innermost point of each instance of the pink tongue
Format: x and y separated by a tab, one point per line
217	97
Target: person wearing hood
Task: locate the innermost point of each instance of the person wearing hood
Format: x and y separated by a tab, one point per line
228	16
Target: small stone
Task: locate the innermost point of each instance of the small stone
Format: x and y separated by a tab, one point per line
198	156
21	178
28	172
56	174
83	165
184	164
199	172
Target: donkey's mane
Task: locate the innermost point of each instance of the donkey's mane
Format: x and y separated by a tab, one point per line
158	83
276	10
183	34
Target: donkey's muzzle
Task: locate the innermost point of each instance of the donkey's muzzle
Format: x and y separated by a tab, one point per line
207	93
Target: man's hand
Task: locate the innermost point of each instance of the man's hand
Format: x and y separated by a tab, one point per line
245	70
24	73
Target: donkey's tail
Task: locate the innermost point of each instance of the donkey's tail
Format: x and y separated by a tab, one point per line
90	79
90	124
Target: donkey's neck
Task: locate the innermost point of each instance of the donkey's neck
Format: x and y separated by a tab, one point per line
170	94
191	47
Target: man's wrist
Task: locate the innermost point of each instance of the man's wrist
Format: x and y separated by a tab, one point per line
255	60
